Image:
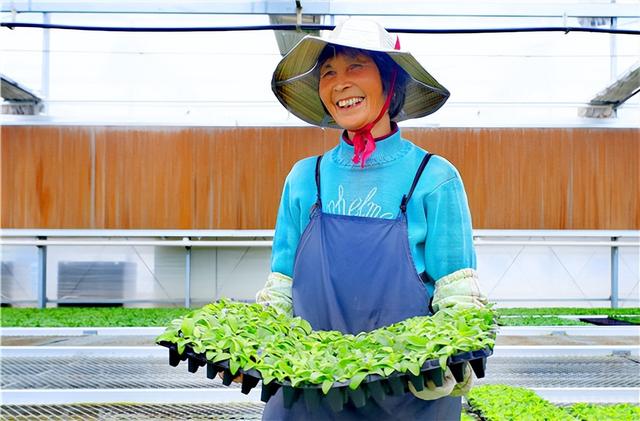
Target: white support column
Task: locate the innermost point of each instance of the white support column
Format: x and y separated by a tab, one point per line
614	275
42	275
187	278
613	49
46	64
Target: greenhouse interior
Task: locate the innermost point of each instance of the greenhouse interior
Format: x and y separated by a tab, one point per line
167	253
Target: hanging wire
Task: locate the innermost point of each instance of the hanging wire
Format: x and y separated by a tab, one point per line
281	27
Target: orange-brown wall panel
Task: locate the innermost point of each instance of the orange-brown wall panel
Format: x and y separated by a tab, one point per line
544	178
144	178
616	196
240	173
231	178
46	177
588	166
623	196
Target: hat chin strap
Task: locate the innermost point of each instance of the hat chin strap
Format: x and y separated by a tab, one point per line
363	142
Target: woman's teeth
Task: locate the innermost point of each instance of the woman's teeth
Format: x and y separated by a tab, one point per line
344	103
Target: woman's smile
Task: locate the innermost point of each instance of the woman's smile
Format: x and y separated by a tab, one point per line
350	103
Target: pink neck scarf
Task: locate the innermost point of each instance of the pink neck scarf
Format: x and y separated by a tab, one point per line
363	141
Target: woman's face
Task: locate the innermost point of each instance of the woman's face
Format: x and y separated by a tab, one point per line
351	90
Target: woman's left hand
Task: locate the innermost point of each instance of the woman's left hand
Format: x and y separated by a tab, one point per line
459	289
464	386
449	386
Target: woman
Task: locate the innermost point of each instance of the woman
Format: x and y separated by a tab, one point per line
363	230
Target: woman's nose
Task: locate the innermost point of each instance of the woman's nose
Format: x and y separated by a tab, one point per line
341	83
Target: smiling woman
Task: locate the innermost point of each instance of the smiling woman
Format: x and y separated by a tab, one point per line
396	217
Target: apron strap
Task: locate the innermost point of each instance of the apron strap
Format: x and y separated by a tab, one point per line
407	197
318	200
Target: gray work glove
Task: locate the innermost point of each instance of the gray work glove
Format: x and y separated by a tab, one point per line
449	386
277	293
458	289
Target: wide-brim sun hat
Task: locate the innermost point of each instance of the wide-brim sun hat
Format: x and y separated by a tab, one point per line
295	79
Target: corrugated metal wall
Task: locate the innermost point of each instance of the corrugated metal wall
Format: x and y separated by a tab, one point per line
231	178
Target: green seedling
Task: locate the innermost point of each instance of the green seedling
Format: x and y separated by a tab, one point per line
288	350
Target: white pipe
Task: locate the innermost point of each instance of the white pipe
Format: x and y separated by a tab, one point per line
589	394
139	396
565	350
161	352
80	331
150	351
477	233
557	243
268	243
520	9
612	331
607	331
167	243
232	394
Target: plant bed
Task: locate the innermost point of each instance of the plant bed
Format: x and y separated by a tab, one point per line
501	402
283	352
562	311
593	412
538	321
136	317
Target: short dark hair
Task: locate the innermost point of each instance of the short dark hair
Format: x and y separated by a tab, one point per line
385	65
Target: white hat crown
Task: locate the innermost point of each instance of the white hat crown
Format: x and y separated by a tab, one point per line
362	33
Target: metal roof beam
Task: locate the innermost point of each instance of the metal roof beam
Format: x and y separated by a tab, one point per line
18	99
11	90
287	39
605	103
150	6
560	9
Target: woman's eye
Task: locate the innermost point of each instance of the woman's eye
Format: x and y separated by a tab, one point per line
327	73
355	66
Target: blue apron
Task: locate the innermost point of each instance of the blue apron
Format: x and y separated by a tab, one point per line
355	274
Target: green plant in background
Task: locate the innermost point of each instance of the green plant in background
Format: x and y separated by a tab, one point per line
557	311
592	412
551	316
127	317
286	349
539	321
499	403
88	316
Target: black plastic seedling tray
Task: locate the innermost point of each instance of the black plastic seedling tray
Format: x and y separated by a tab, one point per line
606	321
374	386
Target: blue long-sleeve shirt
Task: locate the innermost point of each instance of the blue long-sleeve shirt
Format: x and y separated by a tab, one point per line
439	222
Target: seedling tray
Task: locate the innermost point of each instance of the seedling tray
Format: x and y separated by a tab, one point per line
374	386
